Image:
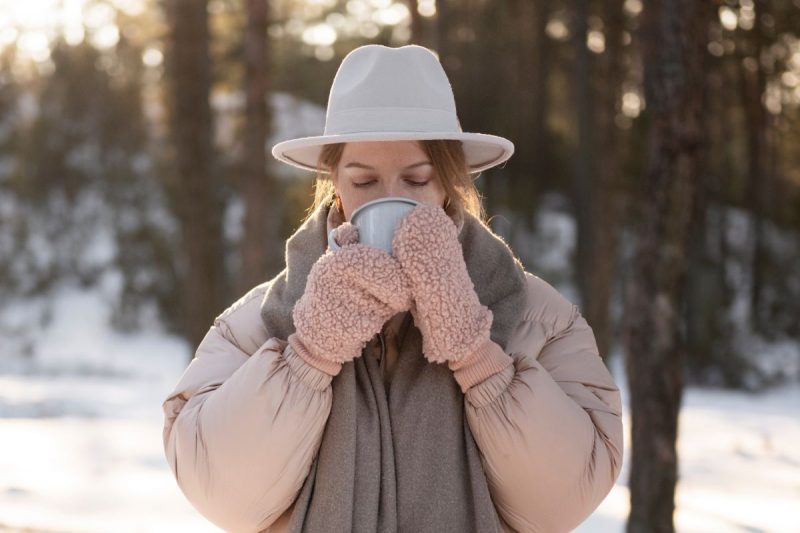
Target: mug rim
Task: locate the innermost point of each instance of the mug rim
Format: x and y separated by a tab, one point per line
333	245
381	200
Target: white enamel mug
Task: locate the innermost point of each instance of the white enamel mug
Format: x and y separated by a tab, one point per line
377	220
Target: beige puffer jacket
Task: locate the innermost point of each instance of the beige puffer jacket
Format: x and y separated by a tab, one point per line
246	418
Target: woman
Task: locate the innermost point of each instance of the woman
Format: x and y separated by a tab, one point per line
437	388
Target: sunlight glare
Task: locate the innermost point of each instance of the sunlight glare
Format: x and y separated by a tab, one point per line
72	21
634	7
337	20
596	41
557	30
27	14
790	79
356	7
131	7
747	18
34	24
8	35
98	16
631	104
74	35
295	27
728	18
772	98
324	53
106	37
321	34
392	15
794	60
369	29
426	8
35	45
152	57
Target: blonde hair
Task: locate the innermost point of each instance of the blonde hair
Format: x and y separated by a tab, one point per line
450	168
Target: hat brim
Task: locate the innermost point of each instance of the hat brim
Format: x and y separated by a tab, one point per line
481	150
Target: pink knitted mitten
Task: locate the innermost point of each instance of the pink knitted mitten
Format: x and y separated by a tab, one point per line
345	233
455	326
350	293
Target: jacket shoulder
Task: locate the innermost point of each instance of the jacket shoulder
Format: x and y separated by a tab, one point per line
544	304
241	322
545	313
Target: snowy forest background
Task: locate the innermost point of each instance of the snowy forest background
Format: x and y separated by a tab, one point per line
138	200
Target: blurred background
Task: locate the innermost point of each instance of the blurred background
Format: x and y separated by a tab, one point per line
655	183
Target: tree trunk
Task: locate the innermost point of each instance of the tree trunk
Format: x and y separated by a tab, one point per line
607	197
673	35
196	192
421	33
442	33
713	359
583	161
260	232
753	86
530	66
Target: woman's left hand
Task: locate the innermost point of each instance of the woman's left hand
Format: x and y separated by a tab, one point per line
455	326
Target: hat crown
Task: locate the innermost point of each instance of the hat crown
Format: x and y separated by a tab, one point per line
391	89
382	93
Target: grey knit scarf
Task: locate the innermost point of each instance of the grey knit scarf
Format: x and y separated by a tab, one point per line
399	458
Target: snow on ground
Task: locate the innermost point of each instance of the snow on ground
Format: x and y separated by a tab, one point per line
80	427
81	443
739	467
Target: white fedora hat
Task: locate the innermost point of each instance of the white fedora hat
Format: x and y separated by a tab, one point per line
382	93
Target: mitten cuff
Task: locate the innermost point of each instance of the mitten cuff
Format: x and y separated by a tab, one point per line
331	368
488	360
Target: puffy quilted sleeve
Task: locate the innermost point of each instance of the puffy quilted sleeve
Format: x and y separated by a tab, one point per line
549	427
244	422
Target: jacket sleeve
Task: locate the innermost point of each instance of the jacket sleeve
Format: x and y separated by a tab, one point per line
243	424
549	427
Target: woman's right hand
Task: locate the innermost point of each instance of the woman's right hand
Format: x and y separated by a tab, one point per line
350	293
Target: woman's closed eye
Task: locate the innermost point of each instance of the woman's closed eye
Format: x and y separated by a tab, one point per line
410	182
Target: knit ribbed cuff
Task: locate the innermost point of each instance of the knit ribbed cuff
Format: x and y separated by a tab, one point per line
312	377
332	368
488	360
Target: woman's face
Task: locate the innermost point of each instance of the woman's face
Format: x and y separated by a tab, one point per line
369	170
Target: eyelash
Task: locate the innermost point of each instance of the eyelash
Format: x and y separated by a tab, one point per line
413	184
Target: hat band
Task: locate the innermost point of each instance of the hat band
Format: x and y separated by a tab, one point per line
391	119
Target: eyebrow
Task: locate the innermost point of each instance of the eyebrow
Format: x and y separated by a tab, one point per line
362	165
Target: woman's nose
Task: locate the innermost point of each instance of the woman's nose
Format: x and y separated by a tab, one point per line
395	189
